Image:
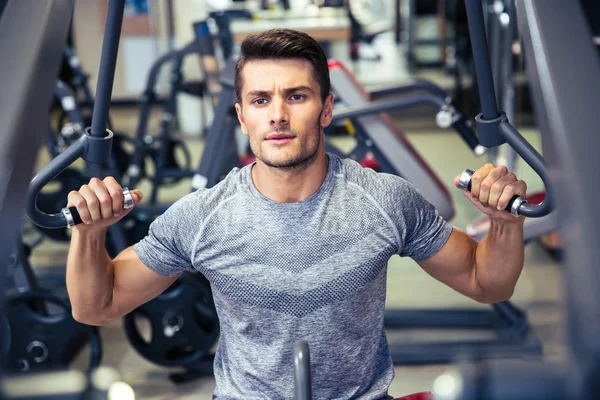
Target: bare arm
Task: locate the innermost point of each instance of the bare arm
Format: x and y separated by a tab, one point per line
487	271
102	290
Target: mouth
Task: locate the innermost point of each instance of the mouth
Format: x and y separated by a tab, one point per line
280	138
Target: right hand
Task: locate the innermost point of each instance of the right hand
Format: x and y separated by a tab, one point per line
100	203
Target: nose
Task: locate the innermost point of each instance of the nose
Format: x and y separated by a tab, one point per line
279	116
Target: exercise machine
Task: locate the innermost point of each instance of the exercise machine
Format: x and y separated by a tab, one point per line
40	332
391	148
29	76
164	146
182	335
554	34
512	334
501	28
560	93
303	376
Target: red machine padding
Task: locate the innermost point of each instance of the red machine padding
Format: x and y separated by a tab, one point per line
417	396
536	198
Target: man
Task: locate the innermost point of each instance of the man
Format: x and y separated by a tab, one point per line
296	245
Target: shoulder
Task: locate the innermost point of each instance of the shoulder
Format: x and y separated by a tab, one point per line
201	202
372	182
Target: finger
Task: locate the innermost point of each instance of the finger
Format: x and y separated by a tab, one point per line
137	196
75	199
518	188
485	187
93	205
498	189
115	192
476	203
104	198
478	177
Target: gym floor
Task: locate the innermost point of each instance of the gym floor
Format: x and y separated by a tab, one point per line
539	291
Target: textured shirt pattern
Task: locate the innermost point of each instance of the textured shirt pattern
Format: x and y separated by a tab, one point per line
314	269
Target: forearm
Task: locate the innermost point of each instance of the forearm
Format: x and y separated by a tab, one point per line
499	260
90	277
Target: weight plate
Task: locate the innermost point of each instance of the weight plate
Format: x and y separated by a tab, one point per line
44	335
183	323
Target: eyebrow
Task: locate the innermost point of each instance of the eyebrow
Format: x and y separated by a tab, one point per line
260	93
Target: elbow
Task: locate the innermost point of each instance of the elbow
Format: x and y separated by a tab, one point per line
92	318
496	297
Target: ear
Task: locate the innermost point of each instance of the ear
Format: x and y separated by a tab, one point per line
327	113
240	115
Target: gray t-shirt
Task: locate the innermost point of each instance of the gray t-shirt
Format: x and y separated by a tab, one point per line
314	269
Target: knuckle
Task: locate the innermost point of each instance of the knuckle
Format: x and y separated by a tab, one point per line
485	185
80	203
93	201
105	200
115	194
497	186
512	176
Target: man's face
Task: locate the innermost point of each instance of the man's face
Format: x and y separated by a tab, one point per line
282	112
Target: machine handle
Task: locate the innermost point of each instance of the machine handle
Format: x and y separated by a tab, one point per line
302	377
72	215
515	205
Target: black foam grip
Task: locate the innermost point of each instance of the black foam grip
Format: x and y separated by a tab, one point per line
75	214
511	201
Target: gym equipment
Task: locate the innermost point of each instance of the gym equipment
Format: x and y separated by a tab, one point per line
303	376
143	141
392	150
184	326
42	341
220	152
501	24
365	26
167	168
501	27
80	83
513	336
68	132
52	201
28	77
94	147
42	334
562	91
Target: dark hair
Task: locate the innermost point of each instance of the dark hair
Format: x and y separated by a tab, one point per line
283	44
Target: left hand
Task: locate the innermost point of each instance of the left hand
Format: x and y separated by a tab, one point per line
492	188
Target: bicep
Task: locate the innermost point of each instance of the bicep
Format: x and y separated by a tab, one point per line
135	283
454	265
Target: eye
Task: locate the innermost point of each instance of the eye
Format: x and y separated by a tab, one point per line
260	102
297	97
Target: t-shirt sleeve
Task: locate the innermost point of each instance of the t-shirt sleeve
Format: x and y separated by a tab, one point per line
423	231
167	247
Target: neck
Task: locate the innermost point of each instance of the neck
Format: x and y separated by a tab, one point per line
290	185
